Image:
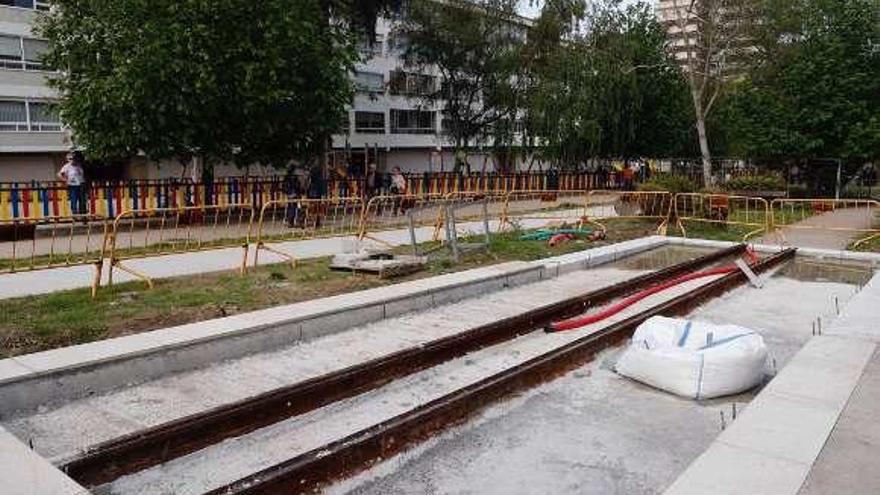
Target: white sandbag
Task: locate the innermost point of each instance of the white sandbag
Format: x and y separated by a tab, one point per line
694	359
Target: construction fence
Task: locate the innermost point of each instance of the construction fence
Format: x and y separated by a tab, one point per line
276	226
46	200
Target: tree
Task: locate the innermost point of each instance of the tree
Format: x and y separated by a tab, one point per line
711	40
224	80
475	47
602	85
815	90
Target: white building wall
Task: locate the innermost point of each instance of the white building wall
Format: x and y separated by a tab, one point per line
35	155
26	155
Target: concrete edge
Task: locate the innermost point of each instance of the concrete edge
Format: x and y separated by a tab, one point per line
24	472
65	374
873	258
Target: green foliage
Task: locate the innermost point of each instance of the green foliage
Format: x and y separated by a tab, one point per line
606	90
227	80
816	90
475	47
672	183
756	183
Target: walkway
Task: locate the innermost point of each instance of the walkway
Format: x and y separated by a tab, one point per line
36	282
816	231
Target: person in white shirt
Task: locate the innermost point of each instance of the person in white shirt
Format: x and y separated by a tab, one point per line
73	175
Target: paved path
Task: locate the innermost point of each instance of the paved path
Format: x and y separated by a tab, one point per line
65	278
815	231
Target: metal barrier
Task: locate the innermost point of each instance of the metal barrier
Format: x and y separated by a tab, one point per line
52	242
529	209
295	219
383	213
46	199
140	234
860	218
750	213
606	205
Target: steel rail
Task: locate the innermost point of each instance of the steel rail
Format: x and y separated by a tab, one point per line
149	447
307	472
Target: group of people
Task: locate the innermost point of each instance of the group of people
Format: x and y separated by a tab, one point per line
356	180
300	183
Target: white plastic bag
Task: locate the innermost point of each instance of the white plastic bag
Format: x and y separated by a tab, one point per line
694	359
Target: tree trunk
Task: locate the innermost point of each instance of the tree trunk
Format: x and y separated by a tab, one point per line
704	152
703	139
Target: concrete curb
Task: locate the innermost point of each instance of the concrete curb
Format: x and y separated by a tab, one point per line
24	472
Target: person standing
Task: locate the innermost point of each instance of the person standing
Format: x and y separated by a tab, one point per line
73	175
628	175
398	188
293	190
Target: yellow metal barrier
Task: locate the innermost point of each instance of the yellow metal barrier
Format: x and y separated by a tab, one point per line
750	213
533	209
52	242
810	221
392	212
605	205
304	219
163	231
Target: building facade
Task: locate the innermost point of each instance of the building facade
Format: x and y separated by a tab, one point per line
388	123
32	140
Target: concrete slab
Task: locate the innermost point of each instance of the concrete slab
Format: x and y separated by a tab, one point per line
729	470
23	472
848	462
782	426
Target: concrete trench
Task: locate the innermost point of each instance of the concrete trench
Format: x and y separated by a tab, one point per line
589	431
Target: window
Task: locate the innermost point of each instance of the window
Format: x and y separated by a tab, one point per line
33	53
370	82
10	52
24	116
412	122
369	122
411	84
44	117
13	116
27	4
21	53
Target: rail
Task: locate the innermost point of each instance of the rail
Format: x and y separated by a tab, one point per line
307	472
164	442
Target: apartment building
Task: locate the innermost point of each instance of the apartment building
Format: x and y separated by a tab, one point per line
389	124
32	139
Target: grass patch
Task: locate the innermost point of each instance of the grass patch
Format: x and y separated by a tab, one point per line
37	323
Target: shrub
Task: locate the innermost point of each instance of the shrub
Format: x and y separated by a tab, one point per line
756	183
672	183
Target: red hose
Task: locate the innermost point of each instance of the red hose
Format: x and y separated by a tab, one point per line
583	321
